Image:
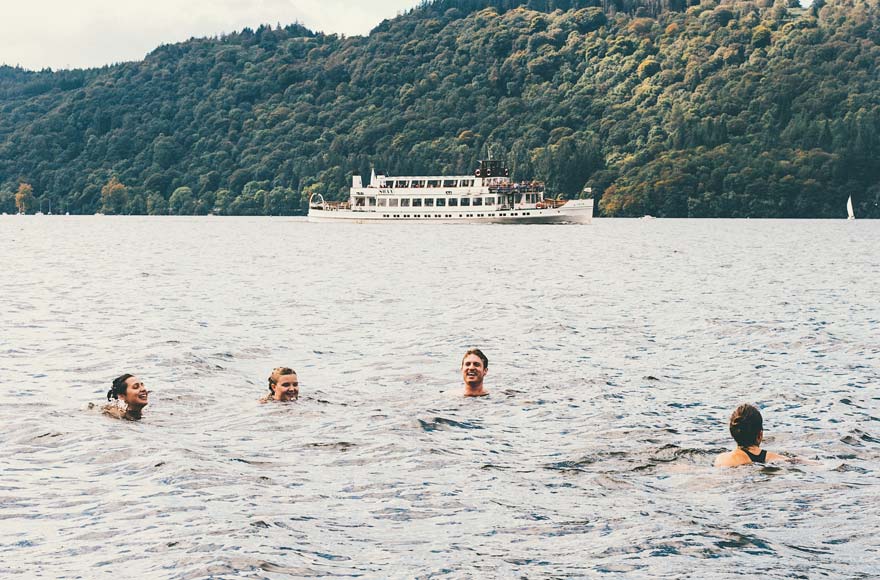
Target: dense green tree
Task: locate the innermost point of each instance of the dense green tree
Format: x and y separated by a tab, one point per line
156	204
7	202
182	201
137	204
281	201
222	202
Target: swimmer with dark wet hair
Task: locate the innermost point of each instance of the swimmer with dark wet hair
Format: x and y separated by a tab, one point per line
747	429
131	396
283	385
474	367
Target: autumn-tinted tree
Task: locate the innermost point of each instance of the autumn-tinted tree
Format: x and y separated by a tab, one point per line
24	197
114	197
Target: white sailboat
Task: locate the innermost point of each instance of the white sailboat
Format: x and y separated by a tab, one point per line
849	209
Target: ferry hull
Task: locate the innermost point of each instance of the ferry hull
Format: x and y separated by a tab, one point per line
576	211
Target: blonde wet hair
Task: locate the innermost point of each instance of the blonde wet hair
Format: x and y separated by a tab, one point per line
277	373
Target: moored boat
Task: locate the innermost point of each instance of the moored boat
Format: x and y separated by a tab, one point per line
488	196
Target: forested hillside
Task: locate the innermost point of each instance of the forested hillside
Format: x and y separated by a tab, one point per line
663	107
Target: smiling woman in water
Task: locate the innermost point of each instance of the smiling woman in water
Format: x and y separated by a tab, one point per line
283	385
131	397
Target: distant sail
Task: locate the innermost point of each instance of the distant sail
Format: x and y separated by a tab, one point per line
849	209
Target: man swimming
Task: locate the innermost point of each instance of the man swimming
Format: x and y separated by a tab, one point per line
283	385
747	429
131	397
474	367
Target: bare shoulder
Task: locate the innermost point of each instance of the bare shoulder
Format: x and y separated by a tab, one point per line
112	410
724	460
731	459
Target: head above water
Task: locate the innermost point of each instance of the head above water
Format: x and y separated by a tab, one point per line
130	390
474	367
119	387
283	384
477	352
747	425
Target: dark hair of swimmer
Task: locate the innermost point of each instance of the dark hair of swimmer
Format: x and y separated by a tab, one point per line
479	353
745	425
119	387
278	373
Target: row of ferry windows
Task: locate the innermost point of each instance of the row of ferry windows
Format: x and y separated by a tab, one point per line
435	202
449	215
426	202
430	183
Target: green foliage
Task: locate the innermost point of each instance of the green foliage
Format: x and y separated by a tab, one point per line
673	108
182	201
7	202
156	204
761	36
648	68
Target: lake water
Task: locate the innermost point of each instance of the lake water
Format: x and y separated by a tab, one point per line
617	352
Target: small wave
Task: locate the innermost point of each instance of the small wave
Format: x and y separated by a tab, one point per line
341	445
846	468
748	543
584	463
857	437
817	551
250	461
439	423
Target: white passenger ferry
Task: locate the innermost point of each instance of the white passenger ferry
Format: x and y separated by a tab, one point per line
489	195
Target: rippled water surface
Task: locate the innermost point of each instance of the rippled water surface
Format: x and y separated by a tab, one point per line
617	352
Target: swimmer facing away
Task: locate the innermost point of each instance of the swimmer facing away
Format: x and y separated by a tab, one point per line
283	385
474	367
747	428
131	397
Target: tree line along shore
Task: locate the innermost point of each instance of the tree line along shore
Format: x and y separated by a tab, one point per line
673	108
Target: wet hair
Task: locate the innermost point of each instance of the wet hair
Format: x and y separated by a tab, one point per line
277	373
479	353
745	425
119	387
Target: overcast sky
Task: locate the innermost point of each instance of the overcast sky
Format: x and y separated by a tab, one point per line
36	34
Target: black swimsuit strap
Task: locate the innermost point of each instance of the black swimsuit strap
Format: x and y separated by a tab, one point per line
759	458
